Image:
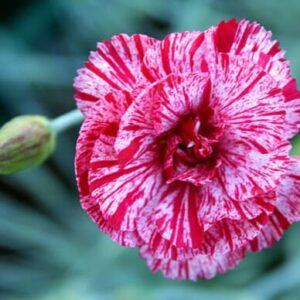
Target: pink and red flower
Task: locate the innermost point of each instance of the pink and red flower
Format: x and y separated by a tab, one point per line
184	151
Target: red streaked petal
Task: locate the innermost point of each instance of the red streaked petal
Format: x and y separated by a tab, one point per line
202	174
253	207
240	37
222	237
161	248
102	118
252	40
253	110
223	35
214	205
125	238
115	65
176	216
179	52
177	96
201	266
158	109
287	209
271	232
281	72
288	199
246	172
136	131
122	190
249	102
292	104
227	235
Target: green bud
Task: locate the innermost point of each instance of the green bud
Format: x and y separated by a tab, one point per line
25	142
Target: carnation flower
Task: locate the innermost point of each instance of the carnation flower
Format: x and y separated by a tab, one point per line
184	151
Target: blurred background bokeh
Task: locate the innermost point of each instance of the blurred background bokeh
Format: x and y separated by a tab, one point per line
49	248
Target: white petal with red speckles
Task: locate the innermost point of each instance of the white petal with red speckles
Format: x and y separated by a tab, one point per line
108	113
179	52
136	131
201	266
114	66
271	232
104	117
227	236
177	96
287	208
292	104
252	108
125	238
171	225
159	109
215	205
122	190
254	173
176	217
251	39
240	37
248	101
288	199
280	71
90	131
161	248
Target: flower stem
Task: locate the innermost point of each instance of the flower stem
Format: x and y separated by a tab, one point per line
66	121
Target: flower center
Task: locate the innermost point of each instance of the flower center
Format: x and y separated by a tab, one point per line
191	148
193	142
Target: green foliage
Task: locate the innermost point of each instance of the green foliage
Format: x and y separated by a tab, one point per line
49	248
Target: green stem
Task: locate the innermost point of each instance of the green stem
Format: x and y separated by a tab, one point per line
66	121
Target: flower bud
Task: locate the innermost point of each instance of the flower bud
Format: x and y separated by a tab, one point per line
25	142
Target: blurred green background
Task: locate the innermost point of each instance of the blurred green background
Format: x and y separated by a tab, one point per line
49	248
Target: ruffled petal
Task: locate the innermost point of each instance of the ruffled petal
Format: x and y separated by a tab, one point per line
159	109
249	101
247	173
215	205
171	229
226	236
124	238
280	70
292	104
288	199
220	236
102	118
122	190
114	66
252	107
179	52
287	208
240	37
161	248
177	96
271	232
176	217
251	39
201	266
